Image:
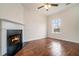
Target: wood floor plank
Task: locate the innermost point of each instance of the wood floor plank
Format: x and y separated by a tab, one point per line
49	47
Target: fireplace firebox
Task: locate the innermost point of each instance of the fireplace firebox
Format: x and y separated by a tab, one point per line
14	41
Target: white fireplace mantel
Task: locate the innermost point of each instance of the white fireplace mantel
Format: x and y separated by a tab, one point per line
4	26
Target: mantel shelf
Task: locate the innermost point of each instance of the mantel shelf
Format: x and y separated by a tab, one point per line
11	21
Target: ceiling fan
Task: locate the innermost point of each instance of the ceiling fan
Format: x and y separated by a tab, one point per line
49	5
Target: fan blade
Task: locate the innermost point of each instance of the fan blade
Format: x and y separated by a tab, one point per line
40	7
54	4
67	3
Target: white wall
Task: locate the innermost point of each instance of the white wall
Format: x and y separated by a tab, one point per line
12	12
0	37
69	26
35	25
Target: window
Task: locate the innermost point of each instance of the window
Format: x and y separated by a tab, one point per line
56	23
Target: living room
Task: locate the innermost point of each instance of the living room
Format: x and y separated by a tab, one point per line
39	31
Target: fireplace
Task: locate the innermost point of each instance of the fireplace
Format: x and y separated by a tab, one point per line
14	41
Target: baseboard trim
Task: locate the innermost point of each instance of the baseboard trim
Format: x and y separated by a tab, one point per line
37	38
64	40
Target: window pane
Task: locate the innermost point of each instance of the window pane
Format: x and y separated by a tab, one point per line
56	23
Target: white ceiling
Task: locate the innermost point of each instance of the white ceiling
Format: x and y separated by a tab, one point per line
52	10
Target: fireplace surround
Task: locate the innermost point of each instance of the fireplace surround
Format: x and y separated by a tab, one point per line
5	26
14	41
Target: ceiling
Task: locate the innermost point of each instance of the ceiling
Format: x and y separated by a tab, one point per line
52	10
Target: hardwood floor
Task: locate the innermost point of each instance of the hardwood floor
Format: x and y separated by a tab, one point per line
49	47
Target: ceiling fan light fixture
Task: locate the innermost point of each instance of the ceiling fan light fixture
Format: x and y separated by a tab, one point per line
47	6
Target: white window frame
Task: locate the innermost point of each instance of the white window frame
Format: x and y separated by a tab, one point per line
56	23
